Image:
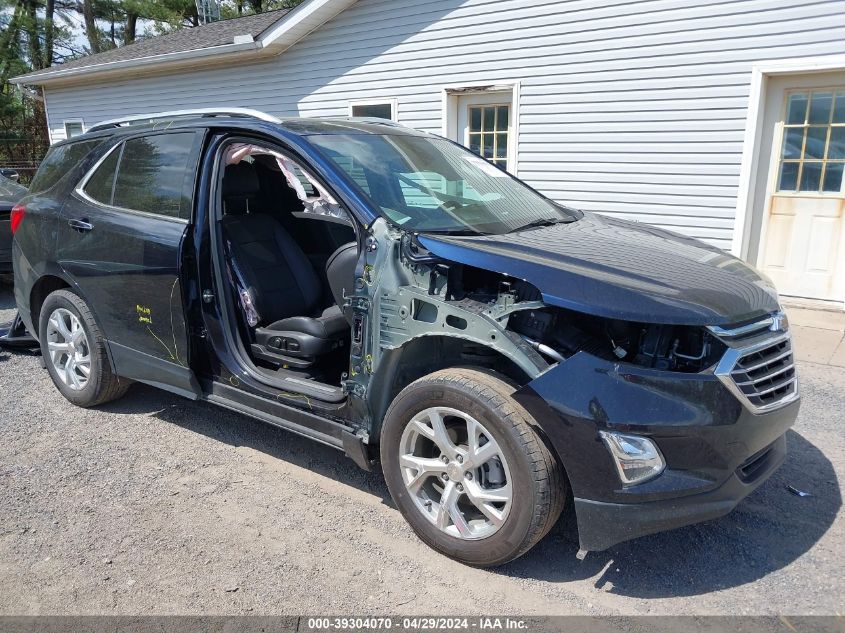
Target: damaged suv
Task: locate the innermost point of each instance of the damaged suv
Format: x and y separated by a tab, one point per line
386	292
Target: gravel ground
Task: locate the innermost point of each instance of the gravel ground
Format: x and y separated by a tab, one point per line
155	504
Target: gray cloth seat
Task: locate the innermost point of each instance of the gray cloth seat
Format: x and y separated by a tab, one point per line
293	327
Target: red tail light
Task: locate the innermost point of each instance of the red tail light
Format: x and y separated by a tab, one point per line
17	215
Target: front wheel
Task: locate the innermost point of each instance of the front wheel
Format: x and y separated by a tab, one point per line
467	469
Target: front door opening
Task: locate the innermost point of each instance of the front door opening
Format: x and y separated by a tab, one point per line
289	254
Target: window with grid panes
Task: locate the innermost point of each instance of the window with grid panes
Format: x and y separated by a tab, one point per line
813	151
488	132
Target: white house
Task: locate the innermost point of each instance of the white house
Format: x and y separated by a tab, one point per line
724	120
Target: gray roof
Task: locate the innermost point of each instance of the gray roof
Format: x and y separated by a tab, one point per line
186	39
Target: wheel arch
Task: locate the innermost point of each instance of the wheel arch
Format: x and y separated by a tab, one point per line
42	288
39	292
423	355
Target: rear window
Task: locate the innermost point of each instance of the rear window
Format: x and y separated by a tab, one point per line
59	161
100	184
152	174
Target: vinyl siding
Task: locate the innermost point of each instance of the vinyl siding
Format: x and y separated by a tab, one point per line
634	109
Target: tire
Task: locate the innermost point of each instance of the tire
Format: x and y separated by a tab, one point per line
101	385
537	486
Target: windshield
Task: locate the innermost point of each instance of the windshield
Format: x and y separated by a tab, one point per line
432	185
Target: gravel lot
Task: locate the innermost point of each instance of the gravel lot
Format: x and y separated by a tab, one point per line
155	504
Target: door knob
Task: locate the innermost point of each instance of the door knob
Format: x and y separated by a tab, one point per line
80	225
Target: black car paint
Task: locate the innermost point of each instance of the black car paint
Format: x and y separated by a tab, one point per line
594	265
127	265
703	432
620	270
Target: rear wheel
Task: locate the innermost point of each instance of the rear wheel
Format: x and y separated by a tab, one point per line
74	351
467	469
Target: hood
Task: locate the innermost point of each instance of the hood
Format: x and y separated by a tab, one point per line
621	270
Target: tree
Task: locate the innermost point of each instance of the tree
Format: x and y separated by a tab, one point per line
38	34
237	8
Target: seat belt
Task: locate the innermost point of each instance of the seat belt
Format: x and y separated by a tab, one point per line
253	318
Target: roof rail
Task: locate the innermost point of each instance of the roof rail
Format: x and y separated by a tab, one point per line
374	119
202	112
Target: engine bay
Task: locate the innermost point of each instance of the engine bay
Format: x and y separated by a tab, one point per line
558	333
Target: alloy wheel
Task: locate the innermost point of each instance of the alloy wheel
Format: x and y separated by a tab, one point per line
456	473
68	349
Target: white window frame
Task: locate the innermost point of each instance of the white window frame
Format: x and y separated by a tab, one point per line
65	123
449	112
391	101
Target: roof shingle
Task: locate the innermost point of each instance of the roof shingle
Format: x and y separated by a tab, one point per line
187	39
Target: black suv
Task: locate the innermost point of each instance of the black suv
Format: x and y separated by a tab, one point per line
390	294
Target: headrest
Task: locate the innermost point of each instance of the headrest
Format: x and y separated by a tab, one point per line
240	181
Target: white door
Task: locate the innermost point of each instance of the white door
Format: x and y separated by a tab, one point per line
485	126
804	228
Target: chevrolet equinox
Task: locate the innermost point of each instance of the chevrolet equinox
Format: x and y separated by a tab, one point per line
501	357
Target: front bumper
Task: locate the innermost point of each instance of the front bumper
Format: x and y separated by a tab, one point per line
602	524
716	450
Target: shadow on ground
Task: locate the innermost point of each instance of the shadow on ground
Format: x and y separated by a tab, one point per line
239	430
768	531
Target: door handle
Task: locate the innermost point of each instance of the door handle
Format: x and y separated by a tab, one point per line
80	225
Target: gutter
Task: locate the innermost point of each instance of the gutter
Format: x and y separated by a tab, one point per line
292	27
239	47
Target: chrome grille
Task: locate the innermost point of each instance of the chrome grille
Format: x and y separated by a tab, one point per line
767	376
758	366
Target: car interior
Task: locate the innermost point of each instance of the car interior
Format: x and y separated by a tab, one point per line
290	255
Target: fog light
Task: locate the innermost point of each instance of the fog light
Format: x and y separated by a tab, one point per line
637	458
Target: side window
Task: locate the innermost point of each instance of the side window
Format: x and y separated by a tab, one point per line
100	184
307	184
59	161
315	198
155	175
353	168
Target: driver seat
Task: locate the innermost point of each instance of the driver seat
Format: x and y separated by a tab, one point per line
277	278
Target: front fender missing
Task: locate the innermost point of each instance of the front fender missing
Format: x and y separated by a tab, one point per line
400	302
415	314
